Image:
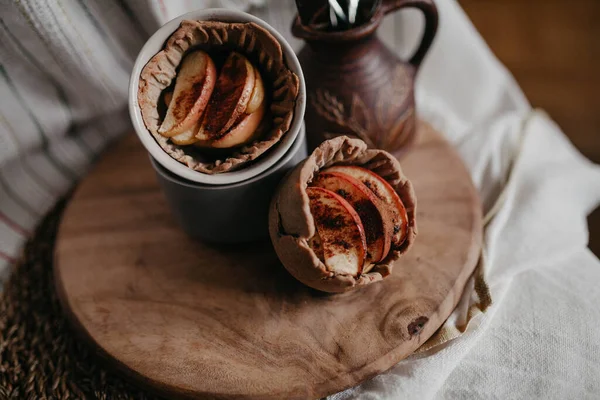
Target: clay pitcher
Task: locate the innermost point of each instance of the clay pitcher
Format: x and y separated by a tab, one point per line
357	86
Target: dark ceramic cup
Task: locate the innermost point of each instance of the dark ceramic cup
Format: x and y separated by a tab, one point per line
227	213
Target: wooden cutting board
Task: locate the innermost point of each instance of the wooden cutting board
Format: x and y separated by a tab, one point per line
192	320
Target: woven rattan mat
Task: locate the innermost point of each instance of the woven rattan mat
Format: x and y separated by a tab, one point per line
40	356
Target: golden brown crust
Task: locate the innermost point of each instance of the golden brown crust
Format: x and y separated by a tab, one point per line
249	39
291	223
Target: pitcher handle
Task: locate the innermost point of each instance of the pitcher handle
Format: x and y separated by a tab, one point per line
431	23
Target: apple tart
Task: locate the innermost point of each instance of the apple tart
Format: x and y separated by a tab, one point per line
218	95
343	216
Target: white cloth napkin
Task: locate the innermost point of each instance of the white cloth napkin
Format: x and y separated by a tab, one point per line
63	78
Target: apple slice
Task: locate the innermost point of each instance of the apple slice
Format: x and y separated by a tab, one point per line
241	133
317	246
186	137
385	192
230	98
258	93
193	88
372	212
341	233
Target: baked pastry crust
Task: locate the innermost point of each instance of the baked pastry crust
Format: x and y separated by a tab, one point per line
291	223
250	39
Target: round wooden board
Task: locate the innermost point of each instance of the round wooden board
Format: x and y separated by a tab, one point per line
192	320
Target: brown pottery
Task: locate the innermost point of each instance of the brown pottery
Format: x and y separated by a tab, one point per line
357	86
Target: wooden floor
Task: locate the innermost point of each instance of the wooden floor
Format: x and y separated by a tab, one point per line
552	47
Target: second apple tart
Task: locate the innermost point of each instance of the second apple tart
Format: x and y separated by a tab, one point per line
218	95
343	216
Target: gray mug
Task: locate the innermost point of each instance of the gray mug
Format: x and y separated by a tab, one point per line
228	213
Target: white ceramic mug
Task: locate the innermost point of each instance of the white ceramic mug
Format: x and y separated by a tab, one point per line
266	160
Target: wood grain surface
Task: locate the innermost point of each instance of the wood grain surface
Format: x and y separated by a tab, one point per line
191	320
